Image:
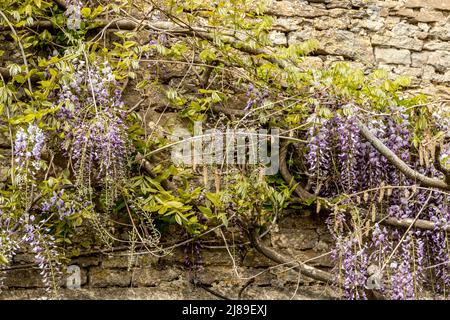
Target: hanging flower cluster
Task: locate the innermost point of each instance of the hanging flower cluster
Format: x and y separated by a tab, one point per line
73	13
64	205
27	153
94	129
44	249
341	161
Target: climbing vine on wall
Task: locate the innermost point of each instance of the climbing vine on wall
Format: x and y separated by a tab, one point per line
354	146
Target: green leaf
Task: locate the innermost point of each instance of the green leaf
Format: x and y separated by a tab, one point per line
86	12
206	211
214	198
3	259
97	11
178	219
174	204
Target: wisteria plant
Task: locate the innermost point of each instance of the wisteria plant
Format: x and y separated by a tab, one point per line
82	154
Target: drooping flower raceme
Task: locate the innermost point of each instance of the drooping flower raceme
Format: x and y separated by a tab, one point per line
44	249
28	146
94	131
73	13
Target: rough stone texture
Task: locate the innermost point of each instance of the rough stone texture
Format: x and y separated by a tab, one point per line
433	4
377	33
99	277
393	56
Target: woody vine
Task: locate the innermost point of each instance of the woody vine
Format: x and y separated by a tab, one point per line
357	148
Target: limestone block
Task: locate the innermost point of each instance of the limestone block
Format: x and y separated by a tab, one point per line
99	277
403	12
394	56
400	42
425	15
327	23
278	38
432	4
437	45
408	71
405	29
287	24
148	277
429	73
373	25
419	59
440	60
295	9
344	4
441	32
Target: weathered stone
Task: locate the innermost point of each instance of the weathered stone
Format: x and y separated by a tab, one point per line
425	27
425	15
419	59
440	60
429	73
23	278
217	257
327	23
148	277
400	42
24	258
433	4
396	56
408	71
278	38
286	24
313	62
404	29
290	9
222	275
437	45
441	32
373	25
390	4
256	260
344	43
119	262
31	278
86	261
392	22
339	13
405	13
300	35
345	4
295	239
99	277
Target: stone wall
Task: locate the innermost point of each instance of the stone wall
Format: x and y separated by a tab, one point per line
301	236
405	37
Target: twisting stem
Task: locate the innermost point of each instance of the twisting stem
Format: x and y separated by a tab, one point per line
399	163
438	165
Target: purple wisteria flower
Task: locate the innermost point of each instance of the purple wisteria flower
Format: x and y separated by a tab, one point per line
28	147
73	13
94	132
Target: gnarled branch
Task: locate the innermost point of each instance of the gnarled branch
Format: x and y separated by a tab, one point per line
419	224
399	163
304	269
